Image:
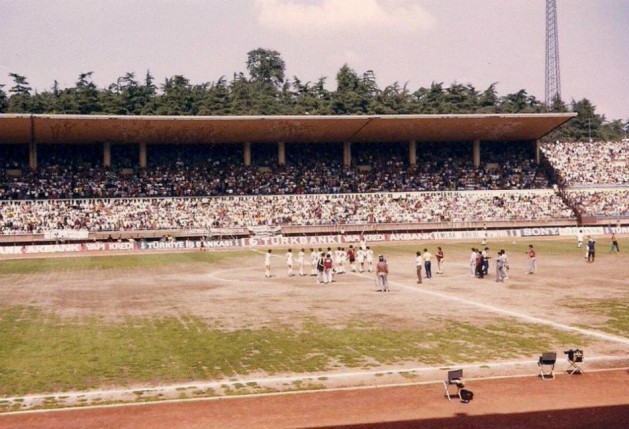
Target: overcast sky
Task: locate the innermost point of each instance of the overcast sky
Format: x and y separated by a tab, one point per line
408	41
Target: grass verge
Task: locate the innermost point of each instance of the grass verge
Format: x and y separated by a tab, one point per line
614	314
47	265
42	353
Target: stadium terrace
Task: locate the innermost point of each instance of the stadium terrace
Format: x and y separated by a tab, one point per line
147	177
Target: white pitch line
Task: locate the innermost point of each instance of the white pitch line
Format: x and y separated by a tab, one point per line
311	377
281	393
320	377
503	311
511	313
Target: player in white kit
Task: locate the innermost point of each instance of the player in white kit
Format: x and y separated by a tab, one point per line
369	259
300	261
267	264
360	258
289	262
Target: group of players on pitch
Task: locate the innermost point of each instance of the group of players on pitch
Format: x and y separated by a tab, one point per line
325	264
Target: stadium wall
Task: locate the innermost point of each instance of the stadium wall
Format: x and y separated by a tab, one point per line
305	241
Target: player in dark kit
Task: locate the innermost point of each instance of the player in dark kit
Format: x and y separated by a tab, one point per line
351	256
591	249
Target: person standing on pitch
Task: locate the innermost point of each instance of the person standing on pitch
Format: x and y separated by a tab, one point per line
614	244
427	264
328	267
501	270
351	257
300	261
486	257
418	264
532	259
320	268
267	264
591	249
360	258
505	260
289	262
480	263
472	262
580	238
382	274
439	256
338	260
369	259
314	257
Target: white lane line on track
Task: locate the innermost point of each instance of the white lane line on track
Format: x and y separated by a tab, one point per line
280	379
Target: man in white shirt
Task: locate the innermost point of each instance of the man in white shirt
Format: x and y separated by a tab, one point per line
427	263
267	264
300	261
473	256
419	261
289	262
369	259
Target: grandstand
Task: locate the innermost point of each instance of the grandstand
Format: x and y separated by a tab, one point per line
192	178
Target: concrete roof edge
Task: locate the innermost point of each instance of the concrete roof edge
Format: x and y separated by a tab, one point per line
286	117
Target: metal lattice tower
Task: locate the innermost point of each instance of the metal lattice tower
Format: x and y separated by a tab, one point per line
553	80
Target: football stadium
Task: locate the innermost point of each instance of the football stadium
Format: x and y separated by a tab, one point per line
123	287
325	263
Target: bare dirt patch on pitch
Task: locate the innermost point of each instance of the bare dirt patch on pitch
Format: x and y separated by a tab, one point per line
233	294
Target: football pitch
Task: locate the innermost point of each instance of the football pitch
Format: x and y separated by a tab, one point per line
91	330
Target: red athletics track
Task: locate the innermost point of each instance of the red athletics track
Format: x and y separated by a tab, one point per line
592	400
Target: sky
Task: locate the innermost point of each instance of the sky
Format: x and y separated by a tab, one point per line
412	42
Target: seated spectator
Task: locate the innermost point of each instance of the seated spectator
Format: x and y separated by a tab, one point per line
137	214
580	164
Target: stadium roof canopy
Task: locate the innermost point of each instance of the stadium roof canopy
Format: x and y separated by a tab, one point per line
77	129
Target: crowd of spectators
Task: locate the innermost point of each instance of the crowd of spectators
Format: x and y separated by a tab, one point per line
116	214
587	164
602	166
77	172
203	187
612	203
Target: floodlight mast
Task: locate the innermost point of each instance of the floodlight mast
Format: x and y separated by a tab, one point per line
553	80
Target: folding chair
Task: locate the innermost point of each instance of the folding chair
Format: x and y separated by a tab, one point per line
455	377
575	358
547	359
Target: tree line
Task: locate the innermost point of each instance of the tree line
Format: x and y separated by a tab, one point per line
266	90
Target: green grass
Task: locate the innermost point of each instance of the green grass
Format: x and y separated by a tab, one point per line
614	312
42	353
46	265
43	265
